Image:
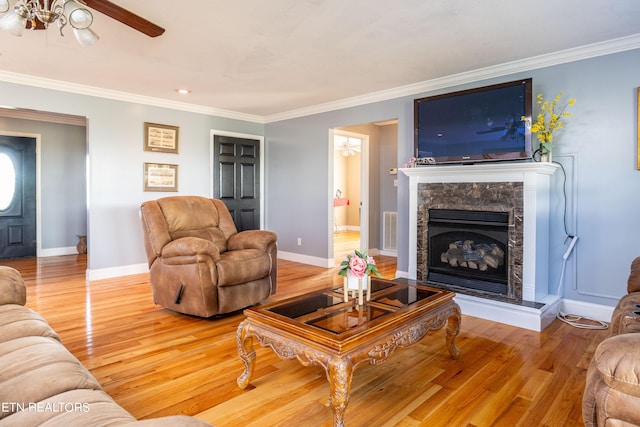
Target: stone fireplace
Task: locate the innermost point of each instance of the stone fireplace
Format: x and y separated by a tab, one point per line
483	231
468	250
484	213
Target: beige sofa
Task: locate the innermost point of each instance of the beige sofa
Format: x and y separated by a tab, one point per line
41	382
612	390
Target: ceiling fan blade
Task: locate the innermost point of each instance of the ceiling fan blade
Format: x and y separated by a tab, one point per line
128	18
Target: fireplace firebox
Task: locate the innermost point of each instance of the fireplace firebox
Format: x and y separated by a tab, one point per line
468	249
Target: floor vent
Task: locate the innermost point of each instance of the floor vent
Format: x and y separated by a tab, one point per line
389	235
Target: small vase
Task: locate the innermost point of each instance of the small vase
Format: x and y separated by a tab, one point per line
81	247
545	156
545	151
353	283
357	287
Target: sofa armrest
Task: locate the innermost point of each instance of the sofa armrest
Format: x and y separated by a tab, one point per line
190	246
12	287
252	239
616	359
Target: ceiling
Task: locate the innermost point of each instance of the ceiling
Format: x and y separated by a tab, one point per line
264	58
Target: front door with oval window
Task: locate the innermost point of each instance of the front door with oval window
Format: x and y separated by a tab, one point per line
17	197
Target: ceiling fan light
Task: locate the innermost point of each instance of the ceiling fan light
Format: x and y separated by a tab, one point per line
16	21
5	5
85	36
79	17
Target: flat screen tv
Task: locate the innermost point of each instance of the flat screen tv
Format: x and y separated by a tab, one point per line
475	125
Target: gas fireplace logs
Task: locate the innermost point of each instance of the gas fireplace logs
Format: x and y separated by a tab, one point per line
467	254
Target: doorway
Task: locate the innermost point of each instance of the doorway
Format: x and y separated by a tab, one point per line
349	200
237	176
18	229
60	175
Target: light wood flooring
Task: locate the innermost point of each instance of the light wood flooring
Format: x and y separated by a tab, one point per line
344	242
155	362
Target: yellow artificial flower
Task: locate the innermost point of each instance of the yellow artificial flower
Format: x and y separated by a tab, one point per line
548	120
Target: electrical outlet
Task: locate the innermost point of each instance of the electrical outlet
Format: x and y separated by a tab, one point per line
299	241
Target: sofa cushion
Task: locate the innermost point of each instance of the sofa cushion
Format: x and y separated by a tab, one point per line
17	321
26	361
79	407
12	290
204	220
242	266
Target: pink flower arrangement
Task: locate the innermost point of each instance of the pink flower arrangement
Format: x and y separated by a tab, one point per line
359	264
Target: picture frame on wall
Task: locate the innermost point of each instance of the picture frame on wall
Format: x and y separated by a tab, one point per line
638	110
160	177
161	138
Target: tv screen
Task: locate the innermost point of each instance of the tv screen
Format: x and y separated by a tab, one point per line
482	124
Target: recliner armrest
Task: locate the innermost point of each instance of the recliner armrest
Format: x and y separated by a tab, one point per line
633	283
190	246
252	239
617	359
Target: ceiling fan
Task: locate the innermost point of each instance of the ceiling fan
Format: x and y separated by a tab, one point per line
120	14
40	13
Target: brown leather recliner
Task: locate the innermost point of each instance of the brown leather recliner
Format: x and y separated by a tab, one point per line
199	263
612	390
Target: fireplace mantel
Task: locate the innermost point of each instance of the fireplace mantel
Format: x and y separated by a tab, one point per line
536	180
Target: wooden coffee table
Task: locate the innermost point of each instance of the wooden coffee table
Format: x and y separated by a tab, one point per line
322	329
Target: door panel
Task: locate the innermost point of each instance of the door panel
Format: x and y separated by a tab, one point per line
236	171
18	213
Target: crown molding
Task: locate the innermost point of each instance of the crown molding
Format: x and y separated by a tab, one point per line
569	55
556	58
63	86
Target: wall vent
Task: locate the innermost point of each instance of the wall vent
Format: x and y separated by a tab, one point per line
390	232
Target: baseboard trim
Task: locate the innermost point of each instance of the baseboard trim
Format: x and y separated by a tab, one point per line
579	308
71	250
306	259
125	270
587	309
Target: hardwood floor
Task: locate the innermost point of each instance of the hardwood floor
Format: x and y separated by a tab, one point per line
343	244
155	362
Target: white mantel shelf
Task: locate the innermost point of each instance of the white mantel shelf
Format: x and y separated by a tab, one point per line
536	178
481	172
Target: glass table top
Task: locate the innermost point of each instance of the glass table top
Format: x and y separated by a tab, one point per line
328	310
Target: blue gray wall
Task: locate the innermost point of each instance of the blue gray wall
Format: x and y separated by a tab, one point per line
63	180
598	146
115	163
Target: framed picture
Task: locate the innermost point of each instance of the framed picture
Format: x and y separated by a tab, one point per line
161	138
160	177
638	128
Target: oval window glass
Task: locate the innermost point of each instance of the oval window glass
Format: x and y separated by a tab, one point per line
7	181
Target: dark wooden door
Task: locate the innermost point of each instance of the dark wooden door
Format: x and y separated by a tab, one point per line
17	197
236	178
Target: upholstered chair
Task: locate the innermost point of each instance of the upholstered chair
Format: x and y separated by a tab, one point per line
199	263
612	390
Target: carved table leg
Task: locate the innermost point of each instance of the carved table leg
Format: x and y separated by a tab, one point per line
340	374
453	328
246	353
